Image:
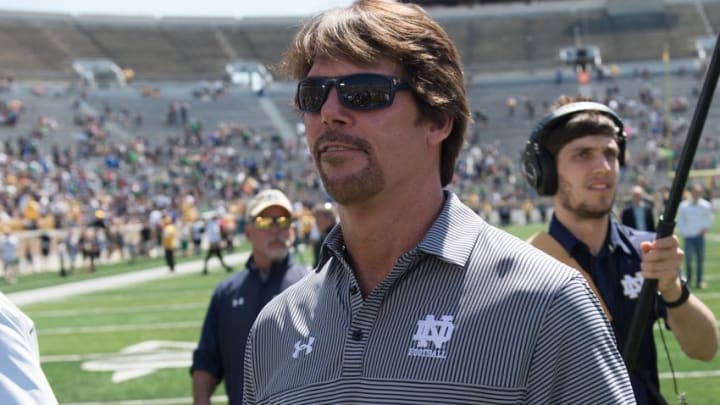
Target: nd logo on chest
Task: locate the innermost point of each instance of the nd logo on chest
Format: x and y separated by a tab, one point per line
431	336
632	285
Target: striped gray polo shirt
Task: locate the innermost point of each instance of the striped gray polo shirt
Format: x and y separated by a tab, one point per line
471	315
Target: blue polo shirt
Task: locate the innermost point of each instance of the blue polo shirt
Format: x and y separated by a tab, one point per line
235	304
616	273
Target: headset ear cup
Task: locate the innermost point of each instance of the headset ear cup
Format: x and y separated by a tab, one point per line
530	167
539	170
622	145
548	181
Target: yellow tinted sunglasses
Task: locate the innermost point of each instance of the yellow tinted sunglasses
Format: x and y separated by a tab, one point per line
265	223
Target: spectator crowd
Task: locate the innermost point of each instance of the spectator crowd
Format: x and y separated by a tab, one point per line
95	196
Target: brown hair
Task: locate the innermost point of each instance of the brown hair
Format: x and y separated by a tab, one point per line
578	125
371	29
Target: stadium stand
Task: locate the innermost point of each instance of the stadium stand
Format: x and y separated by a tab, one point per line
710	11
128	149
492	37
26	48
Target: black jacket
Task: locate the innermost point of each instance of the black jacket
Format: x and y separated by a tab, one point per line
628	219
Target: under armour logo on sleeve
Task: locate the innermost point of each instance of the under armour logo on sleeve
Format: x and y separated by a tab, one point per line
303	347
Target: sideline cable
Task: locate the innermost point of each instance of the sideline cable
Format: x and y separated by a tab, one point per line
680	395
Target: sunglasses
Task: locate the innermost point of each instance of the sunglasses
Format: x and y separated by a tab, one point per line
265	223
364	91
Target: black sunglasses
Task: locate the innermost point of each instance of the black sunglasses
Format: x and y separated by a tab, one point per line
364	91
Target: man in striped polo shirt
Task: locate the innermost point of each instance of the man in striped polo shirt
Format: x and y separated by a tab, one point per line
415	299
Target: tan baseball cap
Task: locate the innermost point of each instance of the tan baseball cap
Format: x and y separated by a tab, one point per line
265	199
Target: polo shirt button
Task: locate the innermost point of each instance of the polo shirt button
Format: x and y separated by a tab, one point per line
357	335
353	290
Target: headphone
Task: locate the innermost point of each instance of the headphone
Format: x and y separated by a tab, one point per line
538	164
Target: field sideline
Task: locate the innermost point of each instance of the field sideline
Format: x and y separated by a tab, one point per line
132	345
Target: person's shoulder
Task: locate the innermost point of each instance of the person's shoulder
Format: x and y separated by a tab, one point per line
509	256
522	275
297	271
487	233
12	317
302	291
232	282
304	281
289	305
494	239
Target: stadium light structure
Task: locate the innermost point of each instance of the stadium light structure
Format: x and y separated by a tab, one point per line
99	72
583	56
251	74
704	46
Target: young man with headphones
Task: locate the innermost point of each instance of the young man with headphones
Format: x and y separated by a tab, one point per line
574	155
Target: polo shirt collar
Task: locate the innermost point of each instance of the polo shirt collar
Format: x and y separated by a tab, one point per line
618	239
451	237
570	242
285	263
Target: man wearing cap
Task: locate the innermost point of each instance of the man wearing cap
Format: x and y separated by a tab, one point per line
237	300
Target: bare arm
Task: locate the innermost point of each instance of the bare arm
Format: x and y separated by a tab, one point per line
692	323
695	328
203	386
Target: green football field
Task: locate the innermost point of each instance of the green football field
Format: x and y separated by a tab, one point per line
133	345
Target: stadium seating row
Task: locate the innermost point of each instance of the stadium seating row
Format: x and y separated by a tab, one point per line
39	45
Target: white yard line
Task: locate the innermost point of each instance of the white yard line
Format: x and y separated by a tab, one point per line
111	282
118	328
68	358
57	313
691	374
161	401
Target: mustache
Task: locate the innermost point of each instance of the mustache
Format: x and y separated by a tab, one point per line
334	136
279	240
